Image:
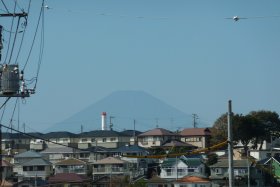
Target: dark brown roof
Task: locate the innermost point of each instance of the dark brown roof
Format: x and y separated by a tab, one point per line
176	143
196	132
68	177
158	132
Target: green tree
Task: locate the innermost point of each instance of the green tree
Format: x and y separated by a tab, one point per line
267	124
219	130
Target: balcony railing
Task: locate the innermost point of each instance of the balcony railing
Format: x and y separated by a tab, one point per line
109	170
71	170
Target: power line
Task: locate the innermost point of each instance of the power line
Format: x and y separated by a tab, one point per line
5	6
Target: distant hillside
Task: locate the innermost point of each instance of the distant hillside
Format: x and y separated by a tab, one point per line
124	107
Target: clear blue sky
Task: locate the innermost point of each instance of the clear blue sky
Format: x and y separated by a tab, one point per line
181	51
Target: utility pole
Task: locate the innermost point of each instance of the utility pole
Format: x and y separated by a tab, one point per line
230	148
134	135
195	117
111	124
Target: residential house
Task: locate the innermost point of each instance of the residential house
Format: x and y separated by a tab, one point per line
192	181
97	153
103	138
219	173
110	166
177	144
174	168
14	143
57	154
199	137
32	182
71	165
137	165
111	181
156	181
69	179
7	169
23	158
271	168
61	139
155	137
133	136
35	168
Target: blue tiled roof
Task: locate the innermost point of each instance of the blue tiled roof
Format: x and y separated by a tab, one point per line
37	162
130	148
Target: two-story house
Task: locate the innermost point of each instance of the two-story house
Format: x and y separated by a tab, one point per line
174	168
199	137
54	139
155	137
219	172
57	154
109	166
31	164
103	138
71	165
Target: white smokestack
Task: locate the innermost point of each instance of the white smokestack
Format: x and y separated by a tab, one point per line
103	121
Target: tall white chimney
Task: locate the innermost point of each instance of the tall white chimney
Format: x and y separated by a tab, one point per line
103	121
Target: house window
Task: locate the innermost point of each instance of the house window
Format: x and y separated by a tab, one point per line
93	140
40	168
168	172
103	139
218	170
24	168
113	139
84	139
65	140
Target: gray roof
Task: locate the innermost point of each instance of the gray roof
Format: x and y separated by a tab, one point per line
131	132
62	150
130	149
37	162
28	154
190	162
223	163
103	133
61	134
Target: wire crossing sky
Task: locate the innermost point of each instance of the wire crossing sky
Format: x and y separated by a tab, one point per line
183	52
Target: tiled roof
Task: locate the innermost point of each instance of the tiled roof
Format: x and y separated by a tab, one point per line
62	150
103	133
37	162
70	162
190	162
176	143
157	179
223	163
110	160
193	179
158	132
61	134
68	177
196	132
98	149
131	132
28	154
130	149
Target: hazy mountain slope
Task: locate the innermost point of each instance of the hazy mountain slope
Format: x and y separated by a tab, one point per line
125	107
